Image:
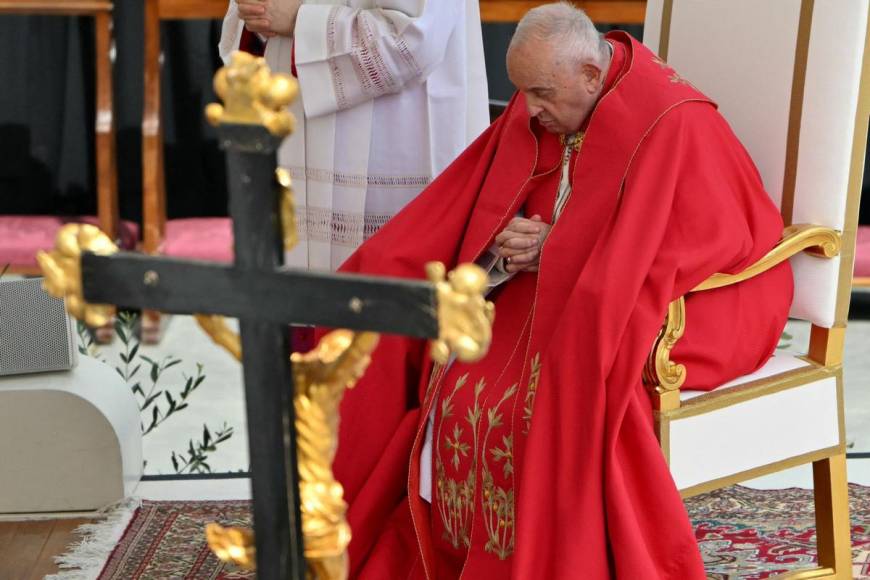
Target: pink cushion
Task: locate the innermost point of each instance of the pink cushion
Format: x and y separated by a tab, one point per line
22	236
200	239
862	252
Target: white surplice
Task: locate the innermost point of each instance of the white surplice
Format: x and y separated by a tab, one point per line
392	91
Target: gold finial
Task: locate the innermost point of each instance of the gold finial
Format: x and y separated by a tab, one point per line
464	316
252	95
233	545
62	270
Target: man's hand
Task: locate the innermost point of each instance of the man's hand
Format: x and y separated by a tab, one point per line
269	17
520	243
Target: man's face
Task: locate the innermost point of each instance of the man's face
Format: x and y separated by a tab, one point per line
560	92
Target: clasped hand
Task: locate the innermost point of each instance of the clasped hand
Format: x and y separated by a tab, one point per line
269	17
520	243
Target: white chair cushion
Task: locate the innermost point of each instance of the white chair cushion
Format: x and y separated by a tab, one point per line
780	362
758	432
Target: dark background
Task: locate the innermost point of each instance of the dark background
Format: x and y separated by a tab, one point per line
47	112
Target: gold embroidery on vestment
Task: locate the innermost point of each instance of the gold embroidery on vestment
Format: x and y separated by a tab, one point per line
456	497
499	511
531	391
674	76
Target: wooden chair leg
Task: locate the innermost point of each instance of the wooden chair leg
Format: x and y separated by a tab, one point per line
153	324
105	334
833	530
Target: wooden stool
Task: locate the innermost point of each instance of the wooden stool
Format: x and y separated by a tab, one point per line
176	237
22	260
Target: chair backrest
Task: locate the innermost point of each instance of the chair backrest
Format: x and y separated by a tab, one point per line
787	76
153	178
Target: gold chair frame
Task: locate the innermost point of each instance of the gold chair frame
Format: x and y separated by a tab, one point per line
825	353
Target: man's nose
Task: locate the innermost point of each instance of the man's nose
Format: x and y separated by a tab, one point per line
533	107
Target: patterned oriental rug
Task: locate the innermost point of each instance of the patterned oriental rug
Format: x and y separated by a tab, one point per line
743	533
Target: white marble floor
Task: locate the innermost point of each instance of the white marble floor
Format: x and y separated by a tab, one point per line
218	401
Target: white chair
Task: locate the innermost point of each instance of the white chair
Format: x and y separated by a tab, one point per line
69	441
791	78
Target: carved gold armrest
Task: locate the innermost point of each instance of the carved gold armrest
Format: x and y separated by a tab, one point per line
665	377
815	240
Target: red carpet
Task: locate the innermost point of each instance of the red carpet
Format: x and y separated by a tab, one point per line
743	533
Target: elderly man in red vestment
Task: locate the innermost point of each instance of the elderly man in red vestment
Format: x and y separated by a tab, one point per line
608	188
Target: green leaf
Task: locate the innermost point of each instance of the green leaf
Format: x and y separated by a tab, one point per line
133	351
119	329
150	400
174	462
155	373
148	360
188	387
206	436
171	364
155	417
135	370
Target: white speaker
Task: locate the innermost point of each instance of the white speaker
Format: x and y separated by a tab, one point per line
36	334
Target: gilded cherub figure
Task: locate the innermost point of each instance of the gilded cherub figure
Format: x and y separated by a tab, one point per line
63	271
464	315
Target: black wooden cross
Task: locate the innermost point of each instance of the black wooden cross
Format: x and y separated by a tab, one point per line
265	298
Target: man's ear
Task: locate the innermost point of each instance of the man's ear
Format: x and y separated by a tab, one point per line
591	75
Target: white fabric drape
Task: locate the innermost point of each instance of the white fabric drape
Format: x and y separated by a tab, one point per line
391	92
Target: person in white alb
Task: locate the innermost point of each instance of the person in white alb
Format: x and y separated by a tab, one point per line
391	92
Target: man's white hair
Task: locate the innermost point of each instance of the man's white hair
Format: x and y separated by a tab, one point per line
568	27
